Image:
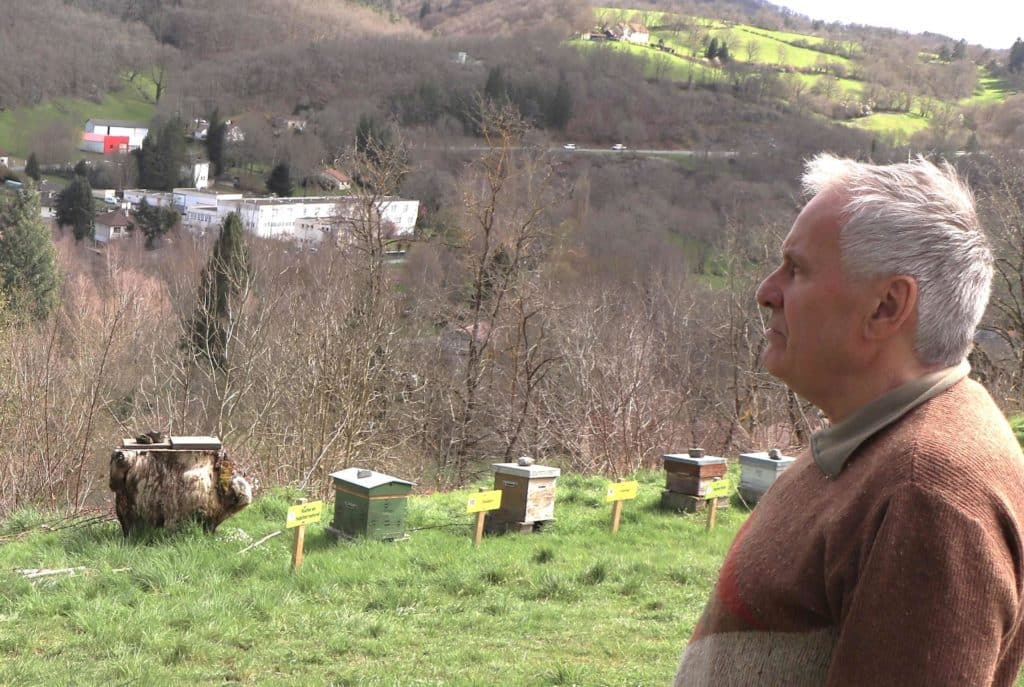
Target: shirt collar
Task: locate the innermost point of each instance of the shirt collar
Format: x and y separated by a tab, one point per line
831	447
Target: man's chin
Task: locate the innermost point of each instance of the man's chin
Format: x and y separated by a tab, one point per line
771	359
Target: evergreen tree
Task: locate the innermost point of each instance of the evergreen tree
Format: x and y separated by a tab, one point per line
560	108
154	221
82	168
1016	60
172	151
496	88
723	53
29	280
959	50
76	208
712	51
280	181
32	167
215	134
944	53
222	284
160	158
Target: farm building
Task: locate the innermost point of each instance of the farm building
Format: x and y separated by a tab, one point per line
112	136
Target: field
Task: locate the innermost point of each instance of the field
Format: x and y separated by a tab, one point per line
572	604
792	52
21	126
900	126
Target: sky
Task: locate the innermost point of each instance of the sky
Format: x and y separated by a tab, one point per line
991	23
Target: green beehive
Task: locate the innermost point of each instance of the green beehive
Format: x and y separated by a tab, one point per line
369	504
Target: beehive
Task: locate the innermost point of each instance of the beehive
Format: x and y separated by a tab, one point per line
758	472
687	478
527	494
369	504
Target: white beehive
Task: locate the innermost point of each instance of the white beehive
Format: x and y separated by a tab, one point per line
758	472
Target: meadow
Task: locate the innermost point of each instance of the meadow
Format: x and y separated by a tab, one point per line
572	604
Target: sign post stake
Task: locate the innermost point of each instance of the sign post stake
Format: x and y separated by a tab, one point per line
480	504
478	535
617	493
716	490
712	512
616	512
300	538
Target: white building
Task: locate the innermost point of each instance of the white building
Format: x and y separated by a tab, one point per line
111	226
279	217
132	197
186	198
635	33
98	129
200	172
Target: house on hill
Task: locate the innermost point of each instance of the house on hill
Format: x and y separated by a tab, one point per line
635	33
5	159
112	225
282	124
112	136
334	179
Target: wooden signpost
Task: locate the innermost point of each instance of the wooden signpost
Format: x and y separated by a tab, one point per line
716	490
617	493
300	515
480	504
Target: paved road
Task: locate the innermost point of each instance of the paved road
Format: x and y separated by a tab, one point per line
648	151
603	150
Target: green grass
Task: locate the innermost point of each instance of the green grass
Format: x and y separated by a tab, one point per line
572	604
679	69
766	42
990	90
19	127
899	126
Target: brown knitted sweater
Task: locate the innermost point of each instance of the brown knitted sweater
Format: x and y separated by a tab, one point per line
907	569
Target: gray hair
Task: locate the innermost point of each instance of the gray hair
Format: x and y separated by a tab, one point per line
915	219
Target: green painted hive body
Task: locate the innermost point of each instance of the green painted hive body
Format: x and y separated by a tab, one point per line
369	504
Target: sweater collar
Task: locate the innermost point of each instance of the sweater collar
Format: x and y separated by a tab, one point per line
831	447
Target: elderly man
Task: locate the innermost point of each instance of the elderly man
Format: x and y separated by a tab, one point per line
891	552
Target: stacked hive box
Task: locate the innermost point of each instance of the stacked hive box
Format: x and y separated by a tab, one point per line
369	504
758	471
527	496
688	477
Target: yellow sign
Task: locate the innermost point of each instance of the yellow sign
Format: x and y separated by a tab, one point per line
304	513
718	489
484	501
621	491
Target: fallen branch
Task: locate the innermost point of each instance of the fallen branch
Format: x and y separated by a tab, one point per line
255	544
33	573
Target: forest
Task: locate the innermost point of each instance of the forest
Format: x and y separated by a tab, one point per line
593	311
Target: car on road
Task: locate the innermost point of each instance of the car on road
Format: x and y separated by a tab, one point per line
618	146
569	146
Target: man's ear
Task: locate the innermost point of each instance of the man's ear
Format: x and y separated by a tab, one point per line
895	304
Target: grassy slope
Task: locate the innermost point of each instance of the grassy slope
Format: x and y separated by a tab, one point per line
20	126
899	126
570	605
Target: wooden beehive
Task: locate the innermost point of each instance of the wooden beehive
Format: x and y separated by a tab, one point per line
369	504
688	477
758	472
527	493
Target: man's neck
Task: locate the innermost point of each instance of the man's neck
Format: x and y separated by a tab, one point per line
854	391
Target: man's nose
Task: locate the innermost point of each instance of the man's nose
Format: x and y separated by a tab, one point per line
768	294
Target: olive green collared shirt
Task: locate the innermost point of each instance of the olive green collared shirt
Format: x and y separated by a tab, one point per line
832	447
